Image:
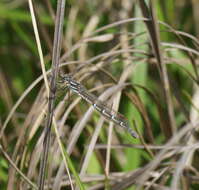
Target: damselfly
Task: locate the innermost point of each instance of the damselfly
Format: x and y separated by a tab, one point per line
98	105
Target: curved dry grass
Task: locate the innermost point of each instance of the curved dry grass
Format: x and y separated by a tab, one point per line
153	82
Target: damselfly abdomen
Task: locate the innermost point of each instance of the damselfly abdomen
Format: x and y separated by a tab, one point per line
98	105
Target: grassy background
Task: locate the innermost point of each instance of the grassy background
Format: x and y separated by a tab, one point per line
102	48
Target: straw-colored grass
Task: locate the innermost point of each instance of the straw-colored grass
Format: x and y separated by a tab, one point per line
140	59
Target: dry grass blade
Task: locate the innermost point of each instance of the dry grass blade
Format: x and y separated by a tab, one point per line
161	155
91	147
124	76
17	169
155	41
6	95
129	179
179	35
55	69
122	59
134	97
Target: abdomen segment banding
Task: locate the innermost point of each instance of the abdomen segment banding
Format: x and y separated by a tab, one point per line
98	105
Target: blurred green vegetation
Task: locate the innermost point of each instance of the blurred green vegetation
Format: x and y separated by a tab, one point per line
20	67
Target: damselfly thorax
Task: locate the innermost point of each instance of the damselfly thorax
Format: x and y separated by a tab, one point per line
98	105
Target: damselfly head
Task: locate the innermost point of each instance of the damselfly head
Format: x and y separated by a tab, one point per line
65	79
